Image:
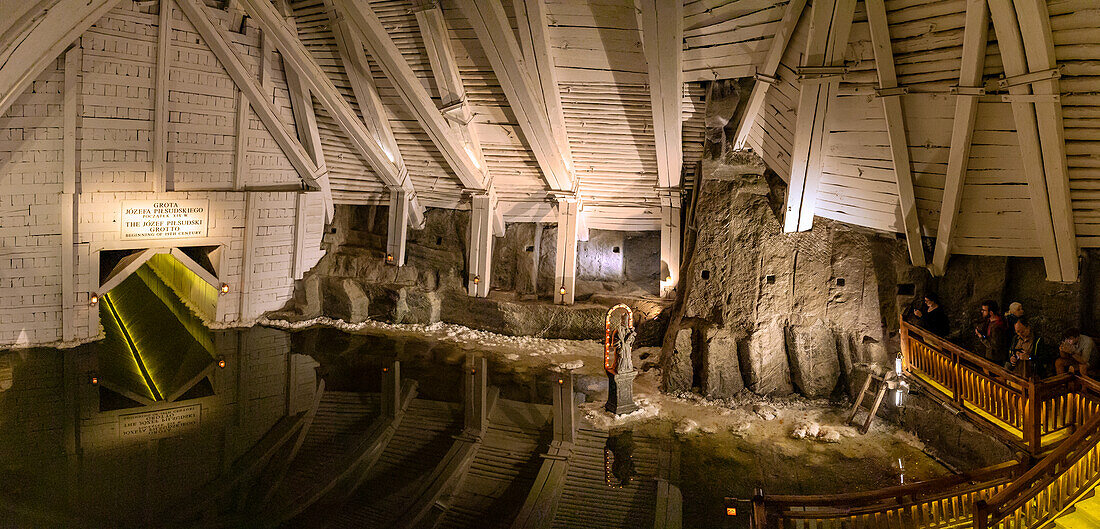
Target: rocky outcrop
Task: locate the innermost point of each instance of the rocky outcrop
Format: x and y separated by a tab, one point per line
681	370
723	367
815	365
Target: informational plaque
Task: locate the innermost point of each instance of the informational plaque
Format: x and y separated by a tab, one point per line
158	424
164	219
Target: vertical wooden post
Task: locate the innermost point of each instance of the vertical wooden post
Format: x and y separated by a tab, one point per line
71	110
565	428
670	241
398	227
160	93
391	389
565	259
476	393
759	511
1033	429
480	244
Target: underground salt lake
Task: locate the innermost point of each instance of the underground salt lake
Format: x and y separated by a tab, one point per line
103	452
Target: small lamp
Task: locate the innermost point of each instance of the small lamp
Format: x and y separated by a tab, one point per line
562	289
389	258
93	379
477	279
224	289
221	362
94	299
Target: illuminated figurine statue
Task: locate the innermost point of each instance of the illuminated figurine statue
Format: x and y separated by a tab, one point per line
618	361
624	345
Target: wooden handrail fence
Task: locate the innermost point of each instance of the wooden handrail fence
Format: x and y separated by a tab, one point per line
1057	419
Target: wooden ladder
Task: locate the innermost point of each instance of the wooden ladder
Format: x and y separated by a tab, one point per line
859	400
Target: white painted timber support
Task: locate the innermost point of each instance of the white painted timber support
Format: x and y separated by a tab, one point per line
243	78
479	249
975	41
895	127
534	39
1010	43
1038	39
294	53
525	97
362	19
70	166
663	41
782	38
398	226
565	258
305	122
160	101
244	292
448	78
42	41
375	117
830	24
670	241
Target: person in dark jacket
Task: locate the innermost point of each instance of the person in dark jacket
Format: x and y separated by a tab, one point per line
1029	355
933	318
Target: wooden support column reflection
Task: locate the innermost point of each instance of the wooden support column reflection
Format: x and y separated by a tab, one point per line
480	244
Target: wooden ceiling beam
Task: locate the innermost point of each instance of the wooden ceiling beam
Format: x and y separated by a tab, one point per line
975	42
452	92
40	42
1038	42
525	98
830	24
895	128
771	64
1010	43
362	19
534	40
265	111
296	56
375	118
663	42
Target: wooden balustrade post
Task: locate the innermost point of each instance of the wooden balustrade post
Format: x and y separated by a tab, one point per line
981	515
956	382
1033	436
759	513
904	345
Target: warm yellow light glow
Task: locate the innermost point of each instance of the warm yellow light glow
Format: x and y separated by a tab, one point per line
94	299
221	362
731	511
562	290
93	380
225	288
477	279
389	258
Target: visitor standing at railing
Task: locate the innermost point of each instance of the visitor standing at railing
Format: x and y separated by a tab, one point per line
992	333
1029	356
933	317
1077	352
1015	312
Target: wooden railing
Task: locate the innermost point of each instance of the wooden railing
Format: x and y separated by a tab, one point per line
1058	417
941	502
1034	415
1049	487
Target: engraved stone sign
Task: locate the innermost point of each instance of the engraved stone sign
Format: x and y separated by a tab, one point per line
164	219
161	423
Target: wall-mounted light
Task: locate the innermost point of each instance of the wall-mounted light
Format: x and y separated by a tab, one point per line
473	371
477	279
561	381
93	379
562	289
94	299
389	258
224	289
221	362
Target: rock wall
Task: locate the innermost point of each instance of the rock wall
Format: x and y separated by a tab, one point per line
778	313
352	282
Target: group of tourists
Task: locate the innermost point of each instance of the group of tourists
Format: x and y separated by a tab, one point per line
1010	340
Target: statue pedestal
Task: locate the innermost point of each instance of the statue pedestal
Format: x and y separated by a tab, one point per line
620	393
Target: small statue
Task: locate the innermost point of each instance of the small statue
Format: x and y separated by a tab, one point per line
624	345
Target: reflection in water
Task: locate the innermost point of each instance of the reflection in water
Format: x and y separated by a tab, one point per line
619	457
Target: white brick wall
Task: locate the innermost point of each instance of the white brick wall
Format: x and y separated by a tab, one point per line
115	130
